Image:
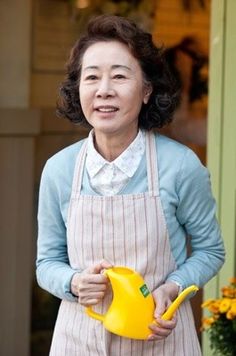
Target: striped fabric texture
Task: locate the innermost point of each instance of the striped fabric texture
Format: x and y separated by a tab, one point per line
128	230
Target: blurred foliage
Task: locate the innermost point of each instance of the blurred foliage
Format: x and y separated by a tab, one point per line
140	11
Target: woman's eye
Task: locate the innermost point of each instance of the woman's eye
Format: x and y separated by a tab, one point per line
91	77
119	76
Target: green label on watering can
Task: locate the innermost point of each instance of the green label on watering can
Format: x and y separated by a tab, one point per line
144	290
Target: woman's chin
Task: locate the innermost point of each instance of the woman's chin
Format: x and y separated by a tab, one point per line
105	129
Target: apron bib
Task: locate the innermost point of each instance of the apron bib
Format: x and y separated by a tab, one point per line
128	230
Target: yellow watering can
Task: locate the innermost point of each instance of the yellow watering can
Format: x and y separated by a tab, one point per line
132	307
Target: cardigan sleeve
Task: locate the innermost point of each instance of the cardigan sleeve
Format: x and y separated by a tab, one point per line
52	265
196	213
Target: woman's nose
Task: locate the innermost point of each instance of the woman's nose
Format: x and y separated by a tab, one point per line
105	88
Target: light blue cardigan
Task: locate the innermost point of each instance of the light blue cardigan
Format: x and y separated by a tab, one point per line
188	205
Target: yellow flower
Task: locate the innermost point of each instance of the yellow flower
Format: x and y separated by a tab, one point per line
232	280
215	306
225	305
212	305
207	303
231	313
229	292
207	322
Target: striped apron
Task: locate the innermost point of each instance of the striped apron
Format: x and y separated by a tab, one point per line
129	230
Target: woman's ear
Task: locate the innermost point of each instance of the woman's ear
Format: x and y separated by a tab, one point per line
147	93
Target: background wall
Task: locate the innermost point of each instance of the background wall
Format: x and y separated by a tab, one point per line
18	126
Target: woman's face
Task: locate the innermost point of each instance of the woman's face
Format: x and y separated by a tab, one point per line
112	88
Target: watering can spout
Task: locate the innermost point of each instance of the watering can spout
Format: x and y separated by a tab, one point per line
176	303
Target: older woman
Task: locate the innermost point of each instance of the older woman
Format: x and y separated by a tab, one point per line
123	196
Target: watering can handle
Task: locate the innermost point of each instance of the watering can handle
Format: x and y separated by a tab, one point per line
93	314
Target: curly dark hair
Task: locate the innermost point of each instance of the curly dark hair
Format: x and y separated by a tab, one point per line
165	95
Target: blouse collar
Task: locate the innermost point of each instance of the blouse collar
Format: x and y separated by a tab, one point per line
128	161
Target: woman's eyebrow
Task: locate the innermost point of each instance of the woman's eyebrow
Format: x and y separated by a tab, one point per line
91	67
114	66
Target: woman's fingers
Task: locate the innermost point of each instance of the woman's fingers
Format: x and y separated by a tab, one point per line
99	267
163	296
162	328
91	299
92	284
89	280
91	289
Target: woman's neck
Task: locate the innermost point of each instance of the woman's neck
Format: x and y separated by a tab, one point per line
110	147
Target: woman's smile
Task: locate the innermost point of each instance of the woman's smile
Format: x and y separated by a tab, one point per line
106	111
106	108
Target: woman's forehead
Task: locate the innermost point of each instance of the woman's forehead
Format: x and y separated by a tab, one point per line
112	53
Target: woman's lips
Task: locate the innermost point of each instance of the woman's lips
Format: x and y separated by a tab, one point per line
106	109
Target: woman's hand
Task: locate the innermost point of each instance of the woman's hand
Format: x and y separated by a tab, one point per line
90	285
163	296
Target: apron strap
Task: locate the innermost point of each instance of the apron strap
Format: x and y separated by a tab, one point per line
79	169
152	164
